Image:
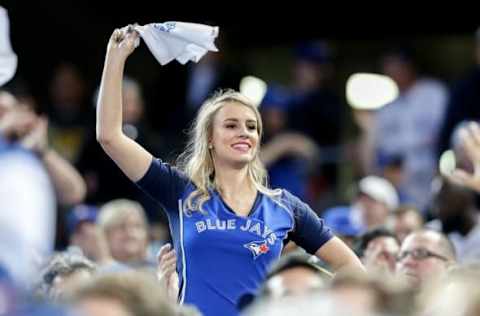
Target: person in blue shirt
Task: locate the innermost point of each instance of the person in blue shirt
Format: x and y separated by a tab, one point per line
227	226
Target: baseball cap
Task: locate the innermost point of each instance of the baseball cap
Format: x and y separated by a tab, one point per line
81	213
380	190
340	221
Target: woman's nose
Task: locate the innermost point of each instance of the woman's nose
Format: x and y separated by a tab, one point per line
244	132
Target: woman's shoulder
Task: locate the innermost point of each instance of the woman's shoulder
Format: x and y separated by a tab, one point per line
289	197
295	204
160	165
164	172
285	198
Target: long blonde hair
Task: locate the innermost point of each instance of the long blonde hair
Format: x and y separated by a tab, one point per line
196	161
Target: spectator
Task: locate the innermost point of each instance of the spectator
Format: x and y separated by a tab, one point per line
409	126
375	200
20	124
405	220
378	250
69	112
464	100
27	199
126	230
316	111
288	155
64	273
339	220
458	218
86	236
295	275
371	295
97	167
425	257
127	294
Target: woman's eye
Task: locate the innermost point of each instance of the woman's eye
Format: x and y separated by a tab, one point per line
252	127
230	126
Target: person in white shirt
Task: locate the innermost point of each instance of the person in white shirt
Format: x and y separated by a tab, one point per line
27	213
408	127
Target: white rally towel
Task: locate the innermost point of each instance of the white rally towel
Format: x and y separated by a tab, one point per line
8	59
178	40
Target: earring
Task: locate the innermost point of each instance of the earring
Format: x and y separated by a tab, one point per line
210	146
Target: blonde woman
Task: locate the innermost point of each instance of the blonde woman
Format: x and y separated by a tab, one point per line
228	227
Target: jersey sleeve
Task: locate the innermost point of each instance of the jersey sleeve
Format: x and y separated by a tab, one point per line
310	231
164	183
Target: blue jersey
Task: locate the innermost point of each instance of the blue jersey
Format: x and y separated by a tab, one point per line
222	256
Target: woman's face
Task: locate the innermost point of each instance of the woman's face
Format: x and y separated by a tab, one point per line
234	135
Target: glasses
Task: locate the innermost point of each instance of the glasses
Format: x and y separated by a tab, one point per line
419	254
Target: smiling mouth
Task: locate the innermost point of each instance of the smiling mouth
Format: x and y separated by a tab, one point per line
243	147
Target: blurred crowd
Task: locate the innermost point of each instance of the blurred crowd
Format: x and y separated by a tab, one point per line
76	234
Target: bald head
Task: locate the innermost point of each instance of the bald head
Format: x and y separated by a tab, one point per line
425	256
437	241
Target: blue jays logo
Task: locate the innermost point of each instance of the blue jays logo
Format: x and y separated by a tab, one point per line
257	248
165	27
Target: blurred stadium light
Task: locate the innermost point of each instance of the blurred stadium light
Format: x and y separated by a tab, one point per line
447	162
368	91
254	88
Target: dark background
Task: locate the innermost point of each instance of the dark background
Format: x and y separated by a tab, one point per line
259	34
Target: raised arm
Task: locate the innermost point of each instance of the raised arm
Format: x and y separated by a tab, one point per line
70	188
132	159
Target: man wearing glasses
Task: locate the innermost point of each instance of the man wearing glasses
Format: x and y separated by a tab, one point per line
424	256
